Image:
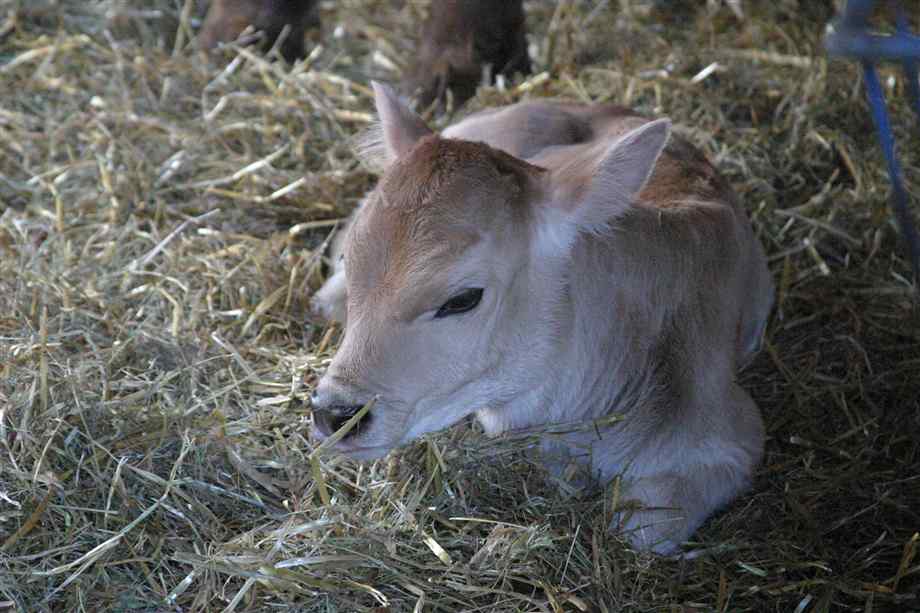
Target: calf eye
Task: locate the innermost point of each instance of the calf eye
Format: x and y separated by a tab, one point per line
461	303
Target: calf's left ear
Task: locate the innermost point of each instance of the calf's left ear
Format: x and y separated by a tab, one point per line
593	201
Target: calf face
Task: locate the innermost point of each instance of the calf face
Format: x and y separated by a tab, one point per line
612	271
226	20
459	39
433	263
455	267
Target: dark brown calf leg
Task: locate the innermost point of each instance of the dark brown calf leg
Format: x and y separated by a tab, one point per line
226	19
459	38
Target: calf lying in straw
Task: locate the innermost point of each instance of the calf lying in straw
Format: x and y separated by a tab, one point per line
546	263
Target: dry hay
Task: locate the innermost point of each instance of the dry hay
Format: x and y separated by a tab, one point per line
160	229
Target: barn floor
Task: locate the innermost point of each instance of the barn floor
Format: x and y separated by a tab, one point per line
160	225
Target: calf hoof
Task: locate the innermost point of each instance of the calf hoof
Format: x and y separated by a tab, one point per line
659	531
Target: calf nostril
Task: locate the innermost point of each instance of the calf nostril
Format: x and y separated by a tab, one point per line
330	420
338	421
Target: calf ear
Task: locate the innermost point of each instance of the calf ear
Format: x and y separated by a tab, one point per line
400	127
595	200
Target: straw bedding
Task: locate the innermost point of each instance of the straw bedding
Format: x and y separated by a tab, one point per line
162	220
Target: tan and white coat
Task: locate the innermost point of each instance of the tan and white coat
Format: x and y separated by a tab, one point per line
619	274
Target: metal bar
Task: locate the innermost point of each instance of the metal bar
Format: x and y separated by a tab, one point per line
859	44
899	196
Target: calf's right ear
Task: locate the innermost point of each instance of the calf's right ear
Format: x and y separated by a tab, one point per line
400	126
594	198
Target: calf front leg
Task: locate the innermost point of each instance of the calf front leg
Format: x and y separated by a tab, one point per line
671	503
660	512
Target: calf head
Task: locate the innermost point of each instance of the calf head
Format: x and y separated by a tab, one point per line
456	271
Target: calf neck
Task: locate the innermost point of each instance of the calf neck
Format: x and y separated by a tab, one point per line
549	263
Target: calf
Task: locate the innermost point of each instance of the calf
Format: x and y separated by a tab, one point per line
573	263
460	38
226	20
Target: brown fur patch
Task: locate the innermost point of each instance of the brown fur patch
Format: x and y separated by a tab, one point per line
682	176
428	208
